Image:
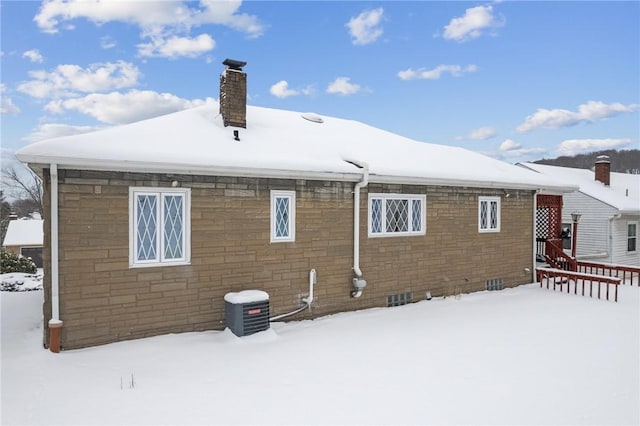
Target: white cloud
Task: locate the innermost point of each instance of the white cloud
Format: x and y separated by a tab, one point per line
153	17
511	149
51	130
474	22
480	134
69	80
436	73
365	28
509	145
281	90
577	146
34	55
7	157
8	107
342	86
122	108
174	47
107	42
6	104
557	118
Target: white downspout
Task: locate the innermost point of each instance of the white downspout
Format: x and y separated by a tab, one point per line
54	323
55	298
611	219
358	282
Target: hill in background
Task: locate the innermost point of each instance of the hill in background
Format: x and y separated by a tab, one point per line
624	161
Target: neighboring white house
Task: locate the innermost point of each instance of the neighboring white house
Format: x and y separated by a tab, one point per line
25	237
609	204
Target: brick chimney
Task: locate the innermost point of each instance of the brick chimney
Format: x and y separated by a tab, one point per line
233	94
603	169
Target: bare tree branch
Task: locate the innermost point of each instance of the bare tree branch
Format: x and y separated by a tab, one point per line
25	185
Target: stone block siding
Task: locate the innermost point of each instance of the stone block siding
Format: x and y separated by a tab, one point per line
103	300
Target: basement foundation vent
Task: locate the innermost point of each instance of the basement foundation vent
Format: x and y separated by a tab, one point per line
399	299
247	312
494	284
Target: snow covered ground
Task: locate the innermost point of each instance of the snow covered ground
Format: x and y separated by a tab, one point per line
18	281
518	356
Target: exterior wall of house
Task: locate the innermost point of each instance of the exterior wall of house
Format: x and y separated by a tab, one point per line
103	300
12	249
593	227
620	253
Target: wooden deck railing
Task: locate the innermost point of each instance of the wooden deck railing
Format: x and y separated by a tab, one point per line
628	274
561	279
556	257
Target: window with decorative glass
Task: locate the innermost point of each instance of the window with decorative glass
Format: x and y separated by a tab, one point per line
159	226
632	236
489	214
283	216
397	214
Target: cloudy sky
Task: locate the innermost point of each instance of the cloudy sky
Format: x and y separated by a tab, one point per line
518	81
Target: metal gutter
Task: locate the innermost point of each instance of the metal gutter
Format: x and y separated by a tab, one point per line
188	169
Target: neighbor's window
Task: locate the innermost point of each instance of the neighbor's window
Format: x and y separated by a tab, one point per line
632	236
489	214
397	214
283	216
159	226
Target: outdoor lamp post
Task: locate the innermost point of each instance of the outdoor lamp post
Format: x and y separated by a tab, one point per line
575	218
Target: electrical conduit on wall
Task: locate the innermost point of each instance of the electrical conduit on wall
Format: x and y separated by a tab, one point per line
313	278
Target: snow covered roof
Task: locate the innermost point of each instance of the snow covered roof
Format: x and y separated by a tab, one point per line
623	193
24	232
278	143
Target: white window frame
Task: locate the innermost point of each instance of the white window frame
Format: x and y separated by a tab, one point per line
635	237
488	201
291	226
159	260
384	198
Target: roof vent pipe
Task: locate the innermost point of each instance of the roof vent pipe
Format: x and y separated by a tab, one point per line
603	169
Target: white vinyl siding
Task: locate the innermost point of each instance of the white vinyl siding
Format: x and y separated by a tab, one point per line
283	216
159	226
593	227
602	232
397	215
489	214
620	241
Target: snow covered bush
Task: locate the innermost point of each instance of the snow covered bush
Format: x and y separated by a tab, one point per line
12	262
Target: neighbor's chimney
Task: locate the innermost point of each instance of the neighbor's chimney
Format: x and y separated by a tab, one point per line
233	94
603	169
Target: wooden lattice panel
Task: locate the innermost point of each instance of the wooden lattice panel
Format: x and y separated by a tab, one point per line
549	216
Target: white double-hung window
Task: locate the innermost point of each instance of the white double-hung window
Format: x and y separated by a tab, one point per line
283	216
159	226
489	214
632	236
397	214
